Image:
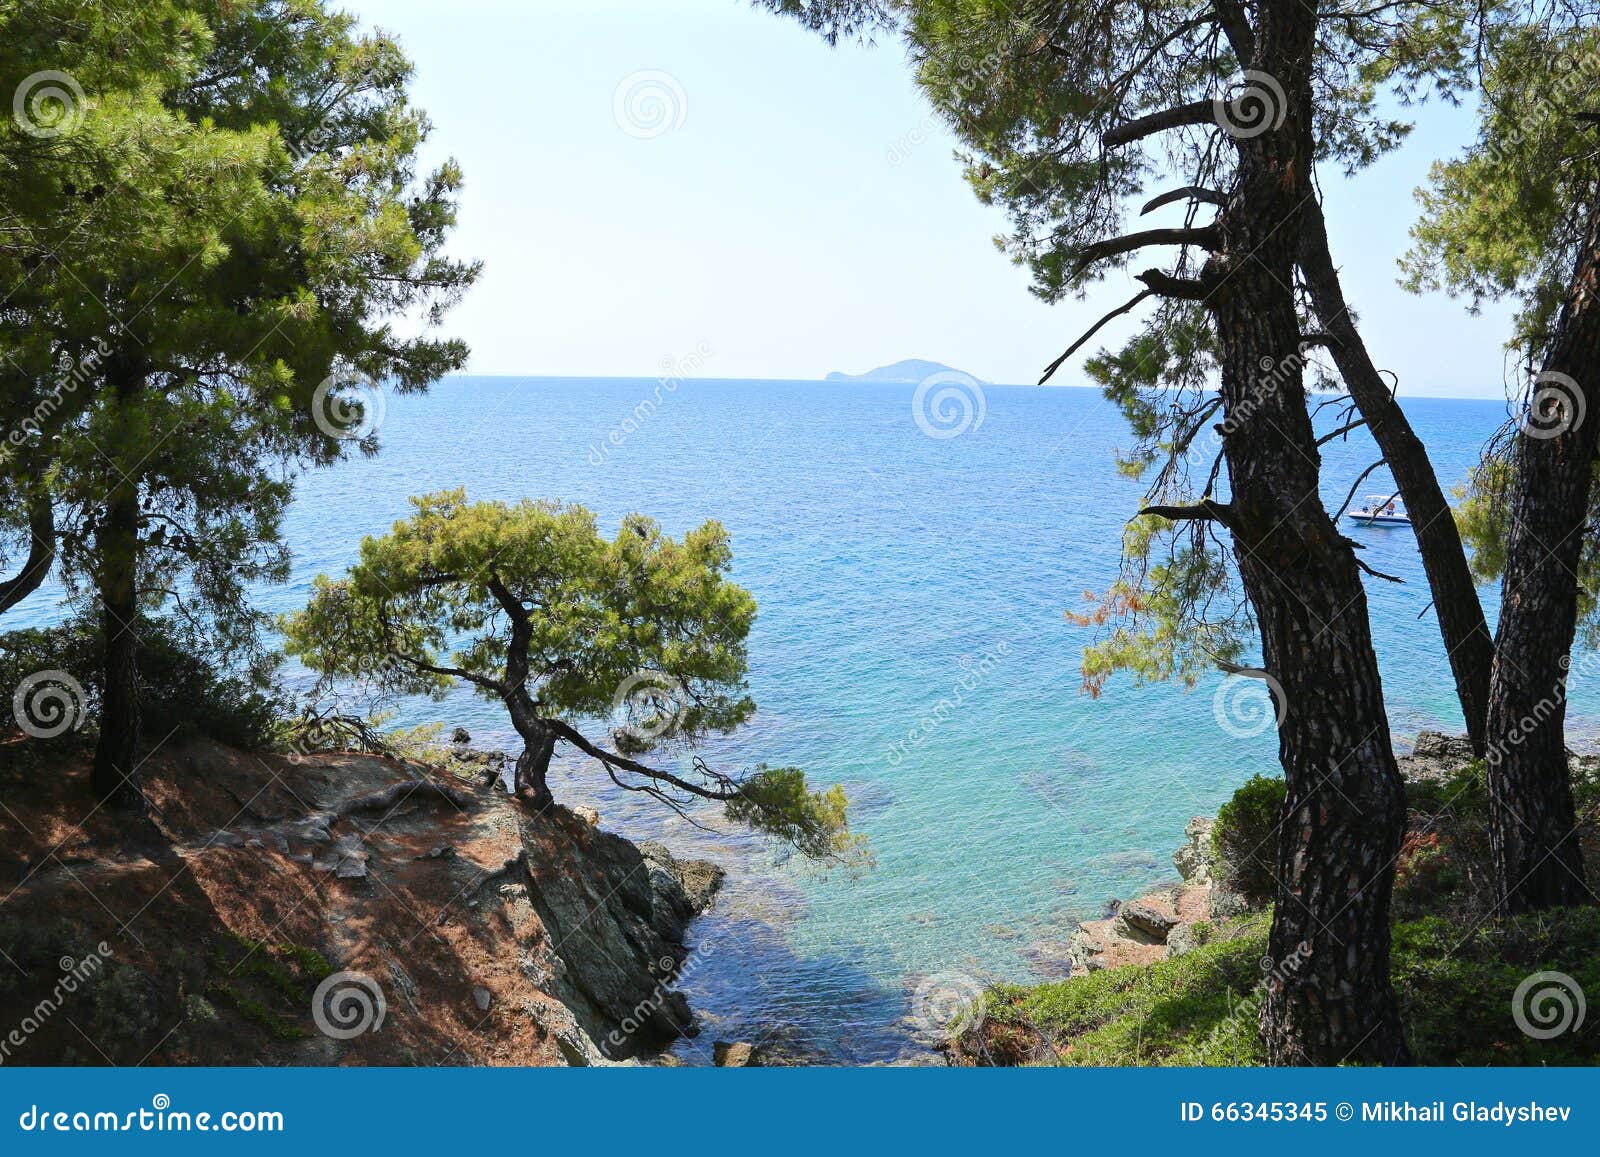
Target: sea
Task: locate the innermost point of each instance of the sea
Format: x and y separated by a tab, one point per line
916	560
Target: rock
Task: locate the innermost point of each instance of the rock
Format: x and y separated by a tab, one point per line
588	815
482	997
1149	919
351	868
736	1055
1180	940
460	737
1435	755
1226	903
227	840
1193	858
615	930
683	888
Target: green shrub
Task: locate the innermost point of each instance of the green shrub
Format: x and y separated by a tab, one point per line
180	688
1244	840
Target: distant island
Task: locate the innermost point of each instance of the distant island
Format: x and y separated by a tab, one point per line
910	370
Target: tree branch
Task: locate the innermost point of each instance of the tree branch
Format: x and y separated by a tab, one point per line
1206	510
1204	236
1182	288
1049	371
1345	429
573	736
41	552
1200	112
1187	193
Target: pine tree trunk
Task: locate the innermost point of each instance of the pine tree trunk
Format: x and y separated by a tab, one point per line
1328	997
533	765
1455	597
1532	822
115	777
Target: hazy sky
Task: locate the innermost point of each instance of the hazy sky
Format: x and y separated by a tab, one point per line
801	211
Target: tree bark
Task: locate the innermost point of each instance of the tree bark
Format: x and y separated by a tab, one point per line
538	745
1455	597
1328	997
116	775
533	765
1532	822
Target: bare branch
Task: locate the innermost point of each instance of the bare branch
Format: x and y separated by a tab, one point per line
1049	371
1205	237
1206	510
1182	288
1345	429
1200	112
1376	573
1187	193
573	736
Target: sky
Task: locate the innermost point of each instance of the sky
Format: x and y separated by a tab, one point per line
775	208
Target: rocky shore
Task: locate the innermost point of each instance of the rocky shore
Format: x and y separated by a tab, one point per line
461	928
1171	919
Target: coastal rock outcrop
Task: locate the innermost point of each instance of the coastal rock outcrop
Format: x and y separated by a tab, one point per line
262	885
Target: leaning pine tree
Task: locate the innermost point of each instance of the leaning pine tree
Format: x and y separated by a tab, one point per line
534	609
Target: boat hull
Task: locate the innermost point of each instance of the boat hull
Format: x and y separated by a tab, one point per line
1379	519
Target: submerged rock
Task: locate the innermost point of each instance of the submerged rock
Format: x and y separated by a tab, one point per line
737	1055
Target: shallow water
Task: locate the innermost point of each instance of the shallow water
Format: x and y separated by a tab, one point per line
893	571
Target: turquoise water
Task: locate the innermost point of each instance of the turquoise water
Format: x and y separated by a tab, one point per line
893	571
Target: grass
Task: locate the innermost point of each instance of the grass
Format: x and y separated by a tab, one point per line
1194	1009
1454	985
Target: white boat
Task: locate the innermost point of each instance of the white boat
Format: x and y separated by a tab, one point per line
1381	510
